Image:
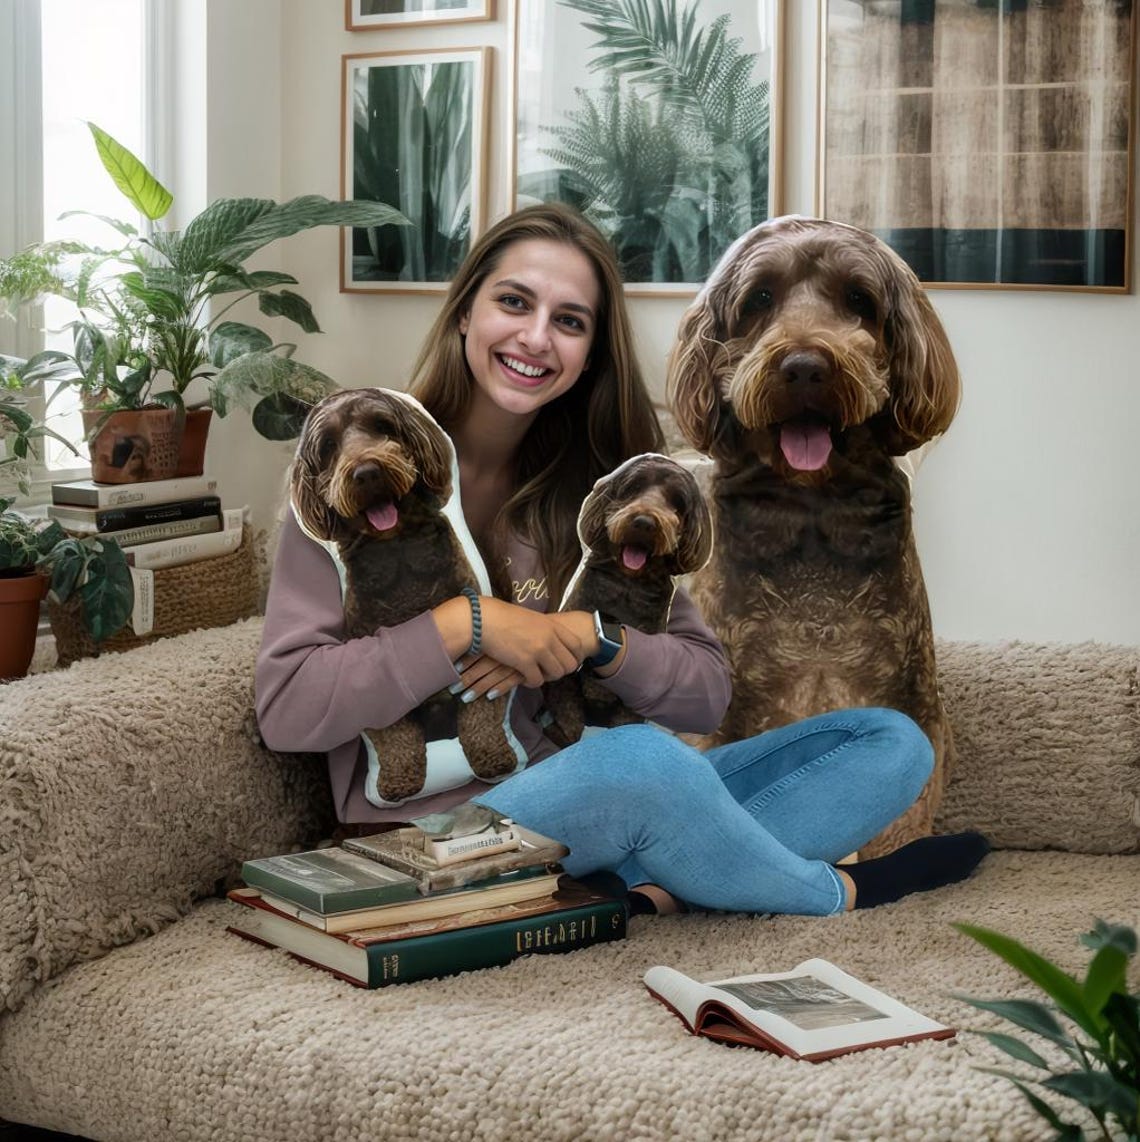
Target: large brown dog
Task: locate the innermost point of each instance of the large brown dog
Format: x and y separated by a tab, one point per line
808	361
641	526
371	476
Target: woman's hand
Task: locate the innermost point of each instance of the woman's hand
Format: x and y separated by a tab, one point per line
539	647
536	647
481	676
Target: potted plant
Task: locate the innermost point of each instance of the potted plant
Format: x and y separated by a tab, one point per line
153	318
37	556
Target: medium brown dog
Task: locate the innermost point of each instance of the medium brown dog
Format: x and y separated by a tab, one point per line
640	526
808	361
371	475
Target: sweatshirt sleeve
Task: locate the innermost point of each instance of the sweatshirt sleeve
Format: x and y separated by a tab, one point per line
314	688
680	678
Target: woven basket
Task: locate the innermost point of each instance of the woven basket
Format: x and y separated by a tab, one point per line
209	593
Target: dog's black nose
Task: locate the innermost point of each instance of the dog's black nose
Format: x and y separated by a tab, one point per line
642	523
366	475
804	367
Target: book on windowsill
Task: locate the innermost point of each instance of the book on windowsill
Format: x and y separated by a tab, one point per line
403	849
562	921
90	494
76	517
451	903
814	1012
162	553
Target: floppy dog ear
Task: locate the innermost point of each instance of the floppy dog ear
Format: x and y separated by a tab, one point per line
304	479
697	537
697	358
925	385
430	447
592	515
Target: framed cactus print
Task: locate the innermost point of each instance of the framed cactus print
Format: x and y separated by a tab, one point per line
413	135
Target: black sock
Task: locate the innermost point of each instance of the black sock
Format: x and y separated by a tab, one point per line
929	862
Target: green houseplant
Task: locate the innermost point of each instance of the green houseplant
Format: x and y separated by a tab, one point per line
37	556
1100	1061
153	306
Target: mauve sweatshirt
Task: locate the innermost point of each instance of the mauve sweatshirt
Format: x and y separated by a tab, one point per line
316	690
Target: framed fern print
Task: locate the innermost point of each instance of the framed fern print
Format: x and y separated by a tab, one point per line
413	135
657	118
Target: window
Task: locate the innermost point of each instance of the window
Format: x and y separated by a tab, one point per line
69	63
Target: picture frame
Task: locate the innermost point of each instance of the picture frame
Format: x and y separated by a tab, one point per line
363	15
414	135
991	145
669	171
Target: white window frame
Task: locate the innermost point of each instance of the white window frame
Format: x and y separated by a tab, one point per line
21	162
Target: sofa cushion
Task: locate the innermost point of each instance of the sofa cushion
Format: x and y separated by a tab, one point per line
1048	743
197	1034
130	785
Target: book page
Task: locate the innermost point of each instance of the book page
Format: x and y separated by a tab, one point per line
813	1008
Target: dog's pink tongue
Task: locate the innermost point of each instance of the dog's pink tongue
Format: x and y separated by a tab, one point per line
634	557
383	517
806	447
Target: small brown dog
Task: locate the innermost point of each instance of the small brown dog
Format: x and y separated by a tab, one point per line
641	526
372	474
809	360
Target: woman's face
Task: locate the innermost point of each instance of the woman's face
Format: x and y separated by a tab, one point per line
531	324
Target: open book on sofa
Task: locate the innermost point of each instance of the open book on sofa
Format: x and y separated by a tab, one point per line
814	1012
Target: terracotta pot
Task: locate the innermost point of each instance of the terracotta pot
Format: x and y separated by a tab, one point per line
192	453
132	446
20	597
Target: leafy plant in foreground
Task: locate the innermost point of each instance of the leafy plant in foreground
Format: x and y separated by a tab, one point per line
1102	1068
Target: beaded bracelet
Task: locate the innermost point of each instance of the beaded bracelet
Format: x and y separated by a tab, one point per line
472	597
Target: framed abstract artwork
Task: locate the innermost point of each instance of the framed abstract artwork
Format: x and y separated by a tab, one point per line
360	15
989	142
413	135
657	118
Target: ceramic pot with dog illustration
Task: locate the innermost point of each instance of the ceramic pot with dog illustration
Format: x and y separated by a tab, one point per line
132	445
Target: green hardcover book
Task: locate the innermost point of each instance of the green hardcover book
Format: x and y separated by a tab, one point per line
572	918
329	880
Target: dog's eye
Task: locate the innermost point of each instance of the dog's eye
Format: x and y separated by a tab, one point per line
325	449
860	302
758	301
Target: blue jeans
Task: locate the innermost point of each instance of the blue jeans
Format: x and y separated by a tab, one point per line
754	826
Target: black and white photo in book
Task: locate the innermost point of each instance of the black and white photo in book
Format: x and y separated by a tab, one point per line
813	1012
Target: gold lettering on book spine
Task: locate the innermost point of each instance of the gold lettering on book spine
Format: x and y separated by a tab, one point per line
555	935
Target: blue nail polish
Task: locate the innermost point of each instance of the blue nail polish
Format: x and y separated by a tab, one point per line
468	697
492	695
455	687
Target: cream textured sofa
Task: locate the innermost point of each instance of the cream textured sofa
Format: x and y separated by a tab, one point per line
131	788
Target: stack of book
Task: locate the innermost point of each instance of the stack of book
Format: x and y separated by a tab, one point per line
402	906
157	523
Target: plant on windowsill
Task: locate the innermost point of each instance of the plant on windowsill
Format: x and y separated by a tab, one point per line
1101	1066
37	556
148	329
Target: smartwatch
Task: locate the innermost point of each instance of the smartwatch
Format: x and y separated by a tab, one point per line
609	639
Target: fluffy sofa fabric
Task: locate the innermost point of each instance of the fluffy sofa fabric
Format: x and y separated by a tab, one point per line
131	785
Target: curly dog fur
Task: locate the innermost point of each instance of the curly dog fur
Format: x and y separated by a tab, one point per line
809	359
371	475
640	526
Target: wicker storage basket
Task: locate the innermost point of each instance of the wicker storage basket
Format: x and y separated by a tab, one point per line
209	593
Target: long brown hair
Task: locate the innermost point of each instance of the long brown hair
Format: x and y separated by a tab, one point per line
556	464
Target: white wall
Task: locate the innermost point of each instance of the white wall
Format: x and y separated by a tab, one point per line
1027	513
